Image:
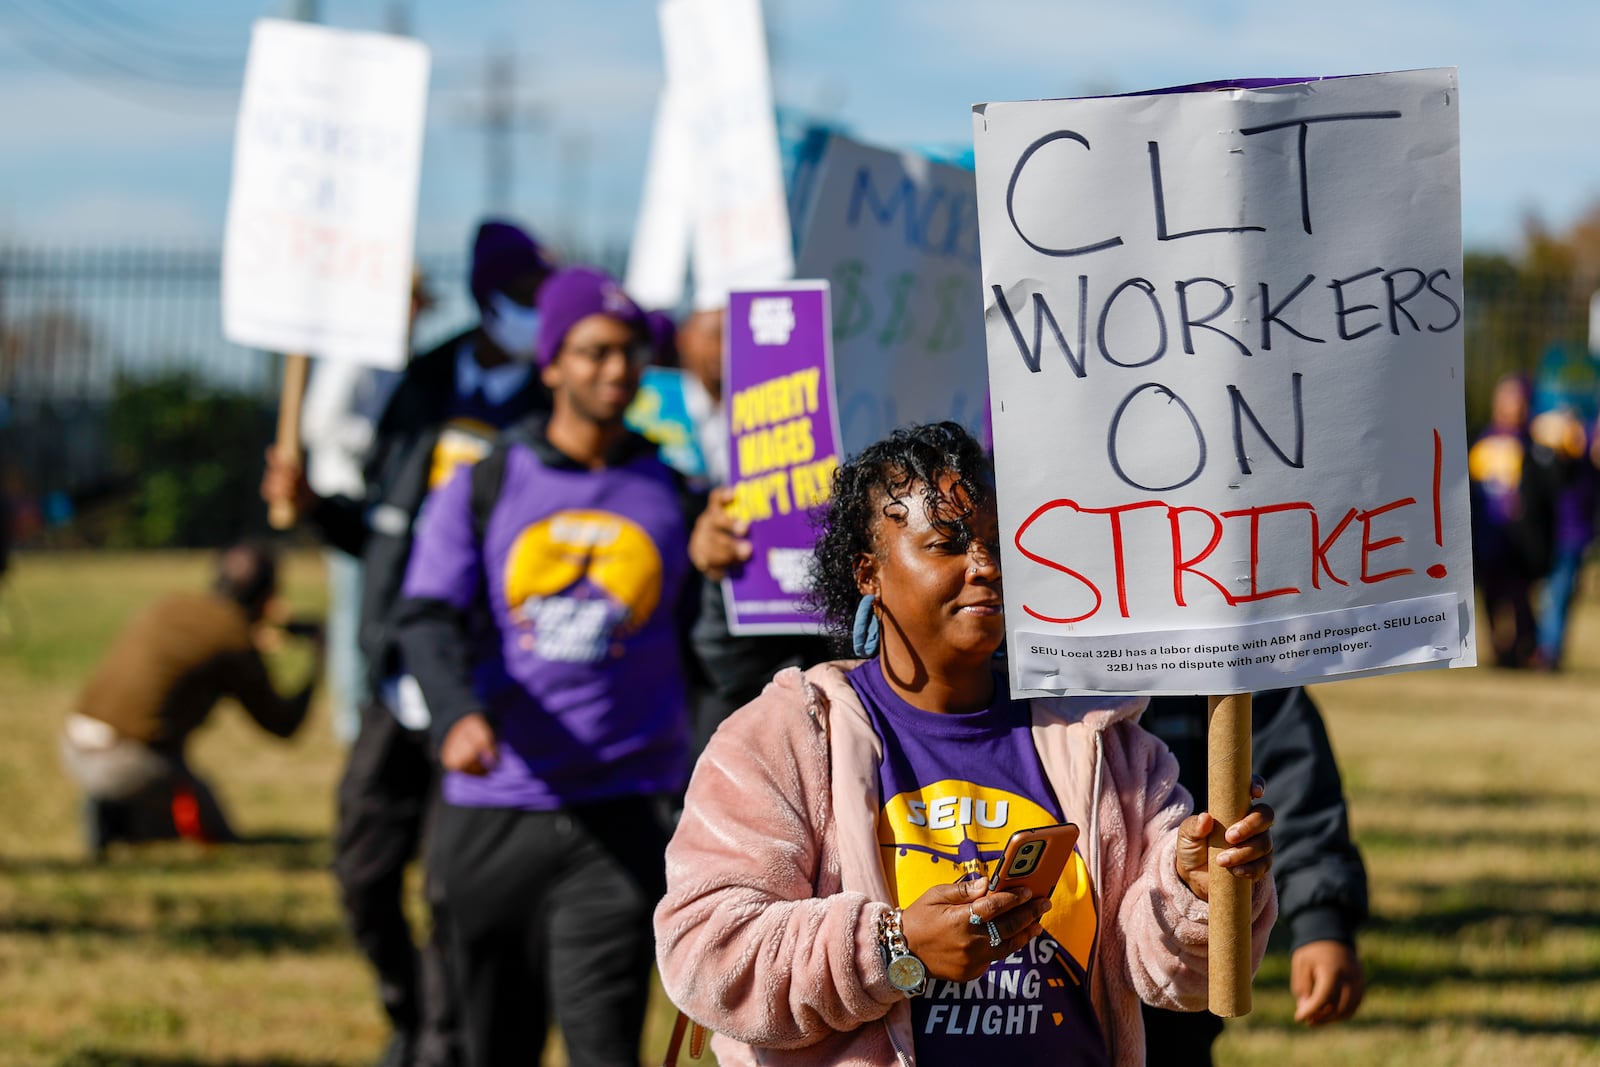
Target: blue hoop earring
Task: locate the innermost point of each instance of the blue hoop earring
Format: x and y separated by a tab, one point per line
864	634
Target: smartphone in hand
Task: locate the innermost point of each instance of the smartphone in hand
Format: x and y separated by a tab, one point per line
1035	859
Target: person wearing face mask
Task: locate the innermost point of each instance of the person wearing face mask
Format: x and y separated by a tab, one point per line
444	414
567	548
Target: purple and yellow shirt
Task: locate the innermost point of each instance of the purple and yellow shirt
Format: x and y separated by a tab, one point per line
954	789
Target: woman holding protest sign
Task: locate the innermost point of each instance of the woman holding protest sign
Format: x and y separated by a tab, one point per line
827	885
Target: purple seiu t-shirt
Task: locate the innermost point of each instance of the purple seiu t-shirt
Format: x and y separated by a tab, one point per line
583	569
955	788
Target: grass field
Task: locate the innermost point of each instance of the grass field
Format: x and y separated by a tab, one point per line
1473	795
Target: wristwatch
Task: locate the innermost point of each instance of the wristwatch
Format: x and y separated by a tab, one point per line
906	972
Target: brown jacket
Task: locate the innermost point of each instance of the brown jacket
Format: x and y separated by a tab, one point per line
174	661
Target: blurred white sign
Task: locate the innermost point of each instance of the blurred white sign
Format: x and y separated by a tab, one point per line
1225	353
326	159
716	58
658	259
896	236
1594	322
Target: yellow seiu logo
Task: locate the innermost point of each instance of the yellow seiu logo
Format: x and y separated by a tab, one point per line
946	813
951	829
461	443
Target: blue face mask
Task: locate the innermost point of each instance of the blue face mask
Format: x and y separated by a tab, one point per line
512	327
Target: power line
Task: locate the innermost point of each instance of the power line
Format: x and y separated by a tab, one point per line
166	55
168	99
157	36
67	46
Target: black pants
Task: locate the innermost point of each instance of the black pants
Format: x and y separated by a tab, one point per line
1179	1038
386	797
551	911
1508	603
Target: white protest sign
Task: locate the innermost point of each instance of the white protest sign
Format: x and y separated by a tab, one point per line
1594	322
317	257
658	258
896	236
716	59
1224	328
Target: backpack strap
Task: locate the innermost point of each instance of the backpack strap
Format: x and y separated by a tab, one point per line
488	475
697	1040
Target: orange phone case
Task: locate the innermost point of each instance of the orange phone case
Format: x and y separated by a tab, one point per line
1035	859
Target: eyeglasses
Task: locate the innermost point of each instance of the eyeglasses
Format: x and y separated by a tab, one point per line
637	355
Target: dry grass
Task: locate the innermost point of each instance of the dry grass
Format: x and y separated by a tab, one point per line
1471	795
168	954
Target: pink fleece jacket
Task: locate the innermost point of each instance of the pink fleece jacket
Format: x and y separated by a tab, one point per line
767	934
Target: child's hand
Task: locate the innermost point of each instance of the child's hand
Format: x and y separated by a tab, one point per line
1327	982
1249	851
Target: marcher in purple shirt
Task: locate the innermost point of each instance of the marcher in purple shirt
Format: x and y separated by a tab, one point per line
541	628
444	412
1571	452
1510	523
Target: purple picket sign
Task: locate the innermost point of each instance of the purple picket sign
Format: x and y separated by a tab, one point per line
783	446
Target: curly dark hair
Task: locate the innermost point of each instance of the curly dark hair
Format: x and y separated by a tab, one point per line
875	485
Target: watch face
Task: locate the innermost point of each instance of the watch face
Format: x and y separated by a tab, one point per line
907	973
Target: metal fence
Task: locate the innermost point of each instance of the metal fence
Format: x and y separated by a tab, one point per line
74	322
1512	323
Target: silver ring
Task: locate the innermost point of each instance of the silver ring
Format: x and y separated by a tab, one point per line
995	940
972	917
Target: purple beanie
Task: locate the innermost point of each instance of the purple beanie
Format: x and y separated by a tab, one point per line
500	253
663	337
574	294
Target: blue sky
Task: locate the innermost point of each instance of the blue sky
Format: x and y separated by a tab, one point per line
118	117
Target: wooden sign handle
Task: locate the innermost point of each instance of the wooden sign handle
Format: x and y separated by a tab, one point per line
283	514
1228	799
